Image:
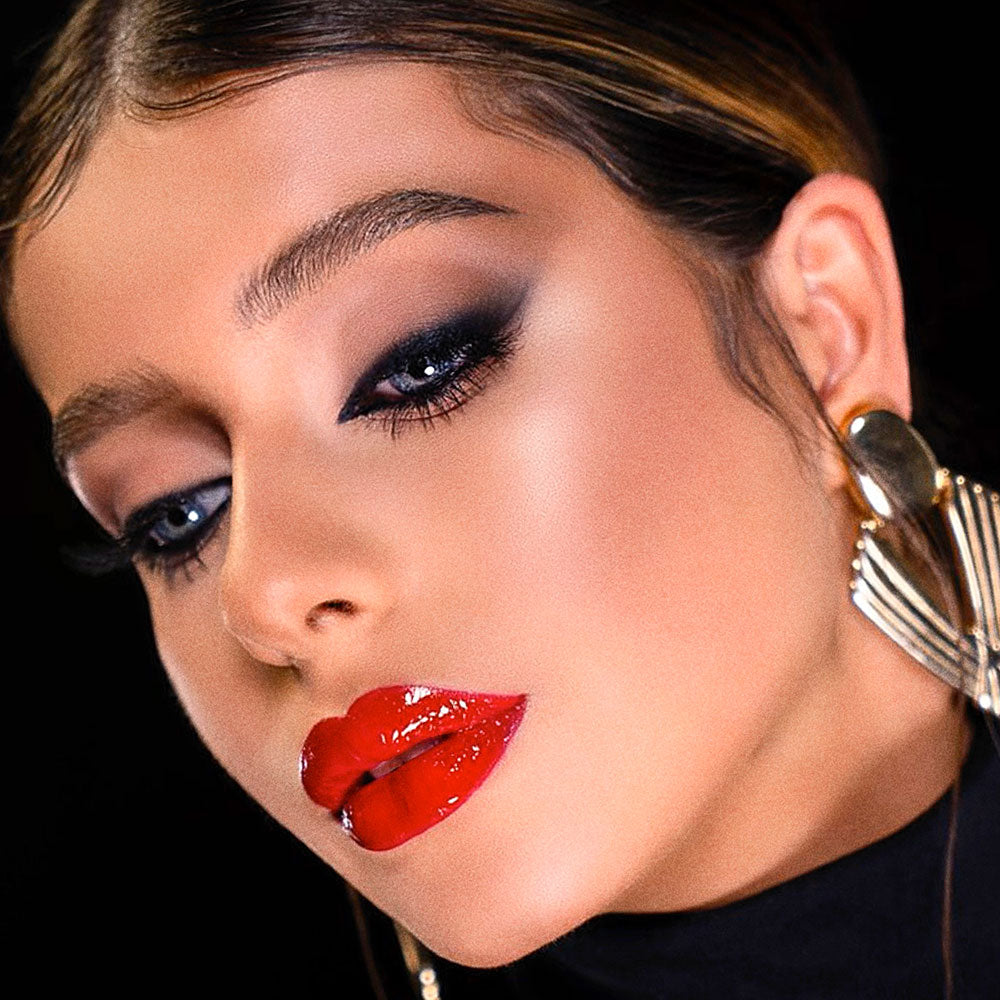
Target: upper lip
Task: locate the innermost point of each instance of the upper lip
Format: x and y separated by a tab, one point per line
381	724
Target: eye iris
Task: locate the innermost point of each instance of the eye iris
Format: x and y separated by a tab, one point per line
420	370
177	518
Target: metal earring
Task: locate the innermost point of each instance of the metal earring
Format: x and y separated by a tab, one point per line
899	478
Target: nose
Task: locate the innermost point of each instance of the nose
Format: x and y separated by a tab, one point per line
304	580
291	652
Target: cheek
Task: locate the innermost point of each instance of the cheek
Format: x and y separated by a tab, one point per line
633	493
641	536
238	707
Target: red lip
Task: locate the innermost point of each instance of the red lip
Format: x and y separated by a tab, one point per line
380	813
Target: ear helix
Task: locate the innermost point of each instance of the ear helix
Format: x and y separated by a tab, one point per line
897	478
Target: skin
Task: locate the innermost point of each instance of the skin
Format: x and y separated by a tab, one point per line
610	526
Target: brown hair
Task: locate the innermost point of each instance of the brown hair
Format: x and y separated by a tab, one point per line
710	116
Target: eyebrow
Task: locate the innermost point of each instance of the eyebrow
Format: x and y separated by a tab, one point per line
300	265
320	249
99	407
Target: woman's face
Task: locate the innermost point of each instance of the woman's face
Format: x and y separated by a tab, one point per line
600	523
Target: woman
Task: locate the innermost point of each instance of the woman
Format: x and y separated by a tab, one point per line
412	353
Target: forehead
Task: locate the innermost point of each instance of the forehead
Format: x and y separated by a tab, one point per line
167	216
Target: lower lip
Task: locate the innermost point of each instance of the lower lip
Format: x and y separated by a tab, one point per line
420	793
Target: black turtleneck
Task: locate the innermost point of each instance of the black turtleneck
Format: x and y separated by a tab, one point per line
864	926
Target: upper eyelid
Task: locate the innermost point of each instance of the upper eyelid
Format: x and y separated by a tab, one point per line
401	351
429	333
499	308
138	518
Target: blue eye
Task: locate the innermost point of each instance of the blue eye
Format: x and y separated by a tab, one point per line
174	523
435	371
165	535
170	532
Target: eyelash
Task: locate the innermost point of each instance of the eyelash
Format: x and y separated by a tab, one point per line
135	544
485	337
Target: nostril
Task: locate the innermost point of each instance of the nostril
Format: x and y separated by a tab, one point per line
320	611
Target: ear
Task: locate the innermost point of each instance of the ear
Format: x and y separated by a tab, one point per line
830	273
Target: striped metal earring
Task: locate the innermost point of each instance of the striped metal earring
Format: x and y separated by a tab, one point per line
898	477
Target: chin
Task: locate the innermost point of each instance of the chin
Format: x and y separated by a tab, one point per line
491	925
495	941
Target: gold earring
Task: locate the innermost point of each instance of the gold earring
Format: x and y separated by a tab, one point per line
898	477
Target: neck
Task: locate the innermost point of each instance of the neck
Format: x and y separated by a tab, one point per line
867	748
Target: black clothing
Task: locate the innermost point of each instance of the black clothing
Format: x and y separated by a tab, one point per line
864	926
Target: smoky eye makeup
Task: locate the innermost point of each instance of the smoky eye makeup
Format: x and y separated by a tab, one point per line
424	377
165	535
437	368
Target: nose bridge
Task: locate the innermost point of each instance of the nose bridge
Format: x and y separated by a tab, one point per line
304	573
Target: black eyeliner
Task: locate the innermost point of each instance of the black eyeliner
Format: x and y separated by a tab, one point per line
475	325
114	553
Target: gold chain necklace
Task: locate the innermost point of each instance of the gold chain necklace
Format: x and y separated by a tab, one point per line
419	964
416	956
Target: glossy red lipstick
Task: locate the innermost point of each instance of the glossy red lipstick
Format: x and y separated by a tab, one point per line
405	757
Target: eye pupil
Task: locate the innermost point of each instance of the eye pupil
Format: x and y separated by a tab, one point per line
179	516
421	368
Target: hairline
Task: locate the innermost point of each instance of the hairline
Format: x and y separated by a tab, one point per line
58	181
44	201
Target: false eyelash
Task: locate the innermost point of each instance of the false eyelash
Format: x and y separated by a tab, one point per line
455	393
112	554
96	558
488	334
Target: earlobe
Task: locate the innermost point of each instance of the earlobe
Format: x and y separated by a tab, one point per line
831	275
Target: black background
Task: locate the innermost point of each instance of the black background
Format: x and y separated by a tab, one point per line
127	846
